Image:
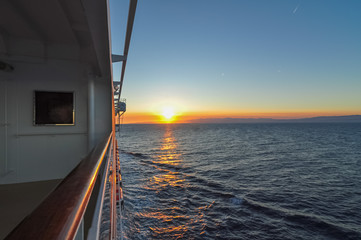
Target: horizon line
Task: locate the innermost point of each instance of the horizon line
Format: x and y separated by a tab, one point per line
334	118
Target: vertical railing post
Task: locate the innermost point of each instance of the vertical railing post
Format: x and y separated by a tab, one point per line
113	207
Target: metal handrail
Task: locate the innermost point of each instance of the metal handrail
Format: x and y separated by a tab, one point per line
61	213
94	230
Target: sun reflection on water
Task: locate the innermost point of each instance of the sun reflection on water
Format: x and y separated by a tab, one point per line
172	215
173	207
168	161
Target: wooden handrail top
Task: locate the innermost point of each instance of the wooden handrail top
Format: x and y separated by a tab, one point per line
59	215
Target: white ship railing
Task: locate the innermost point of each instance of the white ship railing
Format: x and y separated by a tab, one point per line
74	208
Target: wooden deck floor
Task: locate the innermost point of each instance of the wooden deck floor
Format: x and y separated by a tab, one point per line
18	200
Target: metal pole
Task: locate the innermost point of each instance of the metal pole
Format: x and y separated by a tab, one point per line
91	112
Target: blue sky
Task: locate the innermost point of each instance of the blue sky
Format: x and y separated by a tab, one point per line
242	57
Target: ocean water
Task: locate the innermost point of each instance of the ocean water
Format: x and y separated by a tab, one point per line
241	181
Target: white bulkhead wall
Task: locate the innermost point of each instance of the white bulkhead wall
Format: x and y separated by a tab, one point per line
64	47
35	153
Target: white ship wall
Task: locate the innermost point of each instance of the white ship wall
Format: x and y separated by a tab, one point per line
35	153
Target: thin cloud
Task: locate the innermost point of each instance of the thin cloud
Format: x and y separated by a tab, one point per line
295	10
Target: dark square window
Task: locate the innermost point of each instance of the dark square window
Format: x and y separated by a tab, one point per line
53	108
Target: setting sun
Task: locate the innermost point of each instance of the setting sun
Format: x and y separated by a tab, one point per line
168	114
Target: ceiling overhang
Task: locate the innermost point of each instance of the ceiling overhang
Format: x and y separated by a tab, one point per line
57	29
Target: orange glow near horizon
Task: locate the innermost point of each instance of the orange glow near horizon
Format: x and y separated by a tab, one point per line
160	118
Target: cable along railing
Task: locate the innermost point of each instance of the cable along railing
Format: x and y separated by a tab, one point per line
76	208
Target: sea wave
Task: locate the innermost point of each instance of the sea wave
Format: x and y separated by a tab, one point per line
234	181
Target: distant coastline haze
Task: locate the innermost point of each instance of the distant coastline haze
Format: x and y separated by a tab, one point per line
331	119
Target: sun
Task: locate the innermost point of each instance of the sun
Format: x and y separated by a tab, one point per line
168	114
